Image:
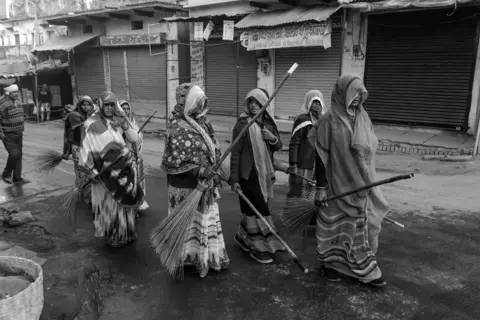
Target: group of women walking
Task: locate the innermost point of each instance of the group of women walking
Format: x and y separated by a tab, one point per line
97	135
334	147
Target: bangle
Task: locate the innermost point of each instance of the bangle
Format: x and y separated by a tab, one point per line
320	188
276	140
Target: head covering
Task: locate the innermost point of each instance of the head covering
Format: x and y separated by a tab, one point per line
107	97
313	95
81	100
261	96
347	88
11	88
121	103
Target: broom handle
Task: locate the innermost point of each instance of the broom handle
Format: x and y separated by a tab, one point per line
116	160
371	185
398	224
252	121
259	215
148	120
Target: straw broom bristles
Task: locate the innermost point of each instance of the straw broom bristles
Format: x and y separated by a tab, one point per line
169	237
68	206
296	213
48	161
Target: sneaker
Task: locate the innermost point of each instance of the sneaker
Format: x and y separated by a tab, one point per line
261	257
330	274
21	181
7	180
242	243
377	283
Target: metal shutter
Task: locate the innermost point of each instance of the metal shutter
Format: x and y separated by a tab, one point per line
147	75
89	75
318	69
117	73
419	75
221	76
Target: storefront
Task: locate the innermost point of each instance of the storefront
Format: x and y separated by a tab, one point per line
221	76
318	69
134	73
420	67
89	76
308	36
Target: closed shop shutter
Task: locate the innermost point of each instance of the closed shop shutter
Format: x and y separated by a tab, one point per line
318	69
221	76
89	72
147	76
117	73
420	73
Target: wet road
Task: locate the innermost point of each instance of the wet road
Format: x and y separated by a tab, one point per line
431	266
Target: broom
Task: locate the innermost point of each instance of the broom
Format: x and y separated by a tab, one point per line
169	237
280	166
49	160
70	204
298	212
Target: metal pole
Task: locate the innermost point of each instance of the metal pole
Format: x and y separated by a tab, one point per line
166	86
238	78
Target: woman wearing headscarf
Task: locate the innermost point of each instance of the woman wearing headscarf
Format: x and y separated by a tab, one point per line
191	150
136	148
301	151
116	193
348	228
72	137
252	172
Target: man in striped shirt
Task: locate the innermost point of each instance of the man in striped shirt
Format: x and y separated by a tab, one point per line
11	133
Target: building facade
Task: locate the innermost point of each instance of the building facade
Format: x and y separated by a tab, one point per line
126	50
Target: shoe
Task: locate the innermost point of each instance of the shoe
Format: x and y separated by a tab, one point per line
7	180
330	274
261	257
377	283
21	181
242	243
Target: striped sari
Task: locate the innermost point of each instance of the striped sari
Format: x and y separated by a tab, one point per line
348	229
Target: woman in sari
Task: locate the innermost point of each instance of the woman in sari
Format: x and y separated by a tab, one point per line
348	228
116	193
191	150
301	151
72	137
252	172
136	148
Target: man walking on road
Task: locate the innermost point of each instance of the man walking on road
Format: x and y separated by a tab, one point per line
11	133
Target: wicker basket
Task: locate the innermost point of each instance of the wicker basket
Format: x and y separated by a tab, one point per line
28	304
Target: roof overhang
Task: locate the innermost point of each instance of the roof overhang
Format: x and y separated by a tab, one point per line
65	43
15	69
394	5
127	12
266	19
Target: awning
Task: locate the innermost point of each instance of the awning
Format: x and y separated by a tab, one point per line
64	43
403	4
282	17
12	69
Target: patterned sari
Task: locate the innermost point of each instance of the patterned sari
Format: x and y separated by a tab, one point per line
116	194
191	145
348	229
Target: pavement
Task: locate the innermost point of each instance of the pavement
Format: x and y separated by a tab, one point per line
429	138
431	265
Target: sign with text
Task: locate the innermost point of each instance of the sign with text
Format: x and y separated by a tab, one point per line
307	35
132	40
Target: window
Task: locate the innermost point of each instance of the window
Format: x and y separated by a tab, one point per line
87	28
17	39
137	25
